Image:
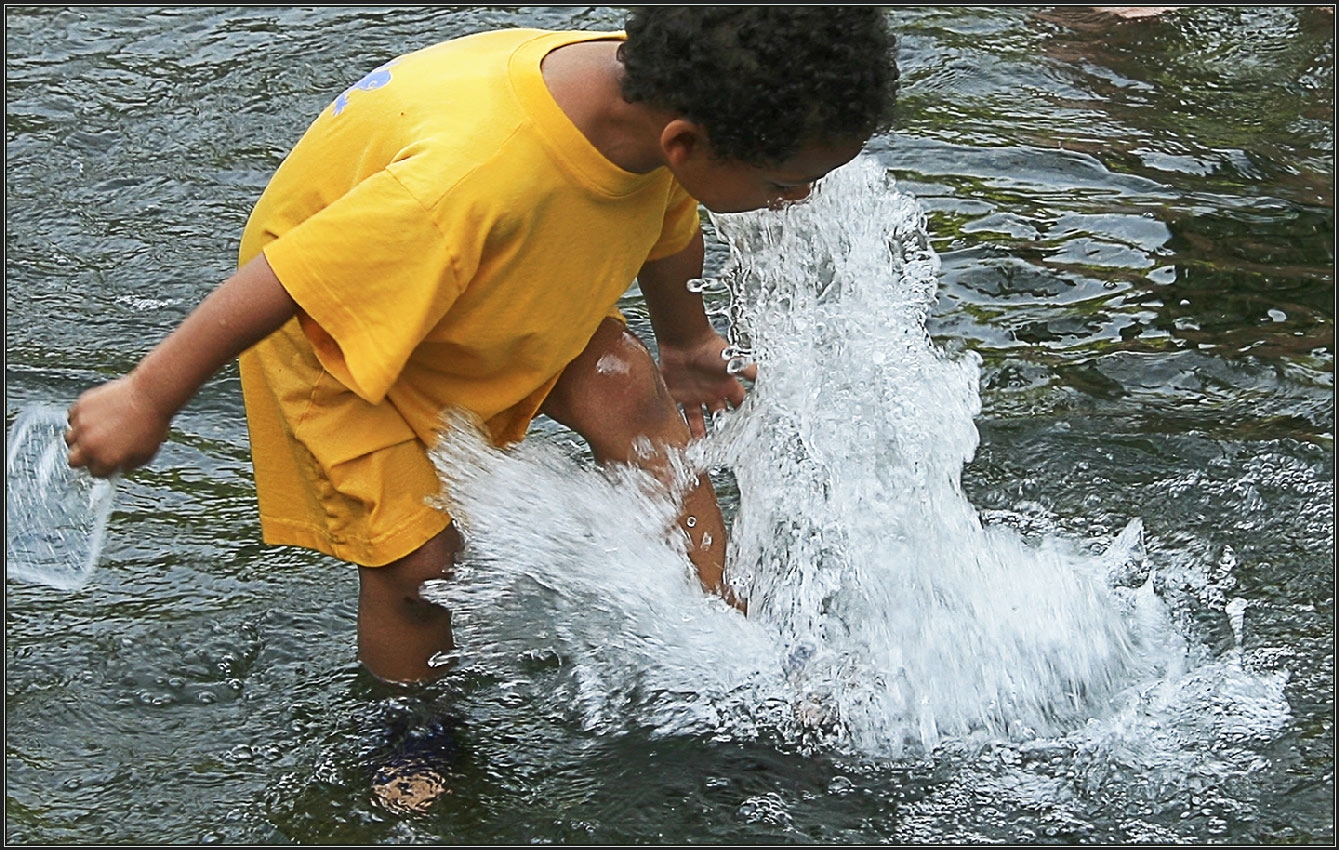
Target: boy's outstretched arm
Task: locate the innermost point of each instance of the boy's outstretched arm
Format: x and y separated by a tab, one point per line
690	348
121	424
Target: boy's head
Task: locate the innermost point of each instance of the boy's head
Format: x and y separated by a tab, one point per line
789	90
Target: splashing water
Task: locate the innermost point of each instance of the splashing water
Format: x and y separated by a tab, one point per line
573	568
884	618
854	538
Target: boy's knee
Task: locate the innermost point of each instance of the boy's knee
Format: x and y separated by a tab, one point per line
615	394
400	582
629	397
627	407
400	632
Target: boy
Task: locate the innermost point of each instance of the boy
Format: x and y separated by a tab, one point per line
455	230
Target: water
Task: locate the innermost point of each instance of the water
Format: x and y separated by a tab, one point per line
853	531
1122	390
886	621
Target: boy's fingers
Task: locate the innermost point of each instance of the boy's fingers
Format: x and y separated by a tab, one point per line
696	425
737	394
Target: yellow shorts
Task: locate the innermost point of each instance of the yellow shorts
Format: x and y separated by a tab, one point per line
336	473
361	500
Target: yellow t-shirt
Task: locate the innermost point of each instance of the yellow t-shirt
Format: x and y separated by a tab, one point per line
452	239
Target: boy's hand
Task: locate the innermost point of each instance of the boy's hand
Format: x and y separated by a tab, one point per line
690	348
120	425
697	379
115	427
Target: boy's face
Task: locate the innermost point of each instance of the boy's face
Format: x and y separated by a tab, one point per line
726	186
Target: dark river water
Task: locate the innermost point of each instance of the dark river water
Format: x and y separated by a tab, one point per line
1135	220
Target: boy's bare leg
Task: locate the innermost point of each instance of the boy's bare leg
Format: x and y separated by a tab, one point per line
398	630
613	394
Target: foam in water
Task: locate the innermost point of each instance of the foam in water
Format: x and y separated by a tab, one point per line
884	618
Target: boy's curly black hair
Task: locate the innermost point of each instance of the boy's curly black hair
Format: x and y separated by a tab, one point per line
764	80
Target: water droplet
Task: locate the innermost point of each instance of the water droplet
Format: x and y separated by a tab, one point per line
767	809
643	447
691	522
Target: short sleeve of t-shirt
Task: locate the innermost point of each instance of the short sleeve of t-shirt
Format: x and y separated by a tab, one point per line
682	223
372	275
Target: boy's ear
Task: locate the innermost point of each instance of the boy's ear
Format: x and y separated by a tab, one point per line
682	140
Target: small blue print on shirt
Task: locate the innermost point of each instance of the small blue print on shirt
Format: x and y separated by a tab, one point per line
377	78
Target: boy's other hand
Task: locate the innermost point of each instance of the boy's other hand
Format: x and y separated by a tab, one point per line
114	427
698	380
